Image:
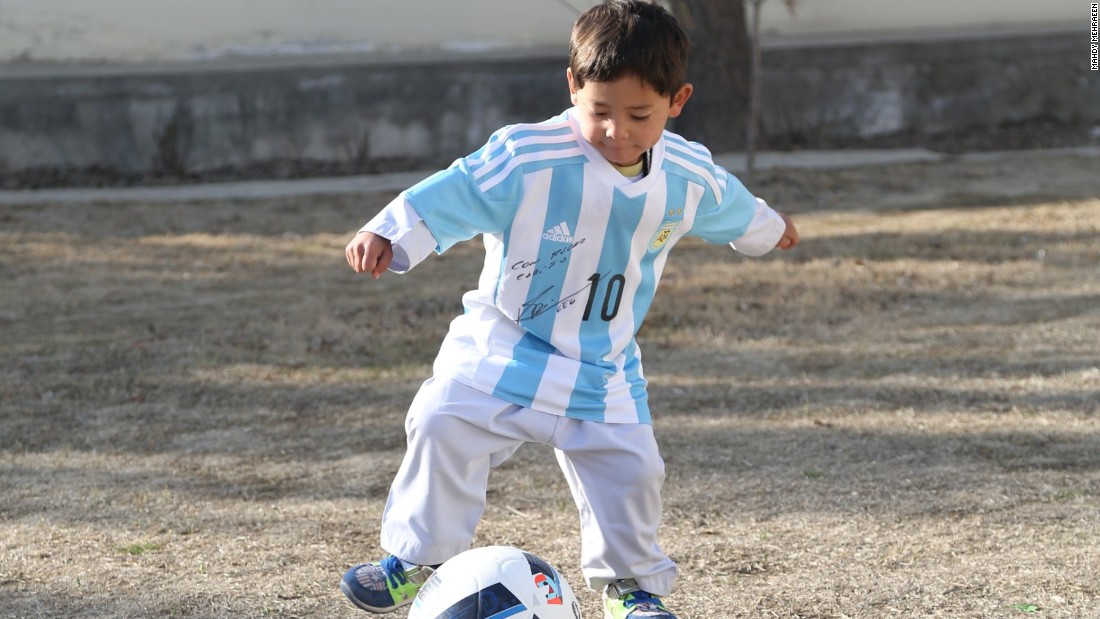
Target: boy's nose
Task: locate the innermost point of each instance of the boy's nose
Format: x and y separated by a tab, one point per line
616	131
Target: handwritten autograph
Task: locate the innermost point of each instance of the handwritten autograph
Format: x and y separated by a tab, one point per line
540	305
526	269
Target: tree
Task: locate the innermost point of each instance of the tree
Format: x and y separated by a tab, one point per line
725	69
719	69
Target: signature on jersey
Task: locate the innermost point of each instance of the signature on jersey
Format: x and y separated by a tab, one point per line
526	269
543	303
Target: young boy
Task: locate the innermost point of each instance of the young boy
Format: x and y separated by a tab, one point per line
578	214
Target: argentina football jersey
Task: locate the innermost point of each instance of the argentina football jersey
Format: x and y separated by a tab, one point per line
574	252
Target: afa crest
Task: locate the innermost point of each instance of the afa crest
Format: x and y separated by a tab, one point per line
662	236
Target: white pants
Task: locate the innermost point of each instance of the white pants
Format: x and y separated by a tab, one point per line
456	434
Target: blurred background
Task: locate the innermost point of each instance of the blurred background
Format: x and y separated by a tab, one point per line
202	407
121	92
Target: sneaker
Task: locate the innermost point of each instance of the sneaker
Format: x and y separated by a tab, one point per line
626	600
383	586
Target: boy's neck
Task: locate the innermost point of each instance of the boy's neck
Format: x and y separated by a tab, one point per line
641	168
630	171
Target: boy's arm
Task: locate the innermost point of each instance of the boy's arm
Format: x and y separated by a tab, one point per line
396	239
451	202
769	229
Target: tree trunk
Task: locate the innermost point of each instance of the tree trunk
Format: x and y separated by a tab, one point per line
719	69
754	92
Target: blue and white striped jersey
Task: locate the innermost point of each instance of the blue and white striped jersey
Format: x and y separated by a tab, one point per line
574	253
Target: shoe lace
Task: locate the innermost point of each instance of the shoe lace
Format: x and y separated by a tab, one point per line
395	571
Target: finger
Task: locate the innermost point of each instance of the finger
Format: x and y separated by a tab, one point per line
383	263
349	255
355	257
366	261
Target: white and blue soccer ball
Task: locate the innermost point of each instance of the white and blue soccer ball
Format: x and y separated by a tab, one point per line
495	582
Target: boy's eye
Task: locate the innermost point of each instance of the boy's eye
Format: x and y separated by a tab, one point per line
602	115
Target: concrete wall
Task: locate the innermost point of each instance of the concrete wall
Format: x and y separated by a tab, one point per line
192	118
930	85
824	18
184	118
160	30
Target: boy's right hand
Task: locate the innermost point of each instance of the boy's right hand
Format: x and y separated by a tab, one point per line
369	253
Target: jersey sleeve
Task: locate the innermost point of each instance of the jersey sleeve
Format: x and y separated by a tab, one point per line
410	239
763	233
460	203
733	215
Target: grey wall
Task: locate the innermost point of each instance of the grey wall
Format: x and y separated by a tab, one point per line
931	86
365	112
205	116
166	30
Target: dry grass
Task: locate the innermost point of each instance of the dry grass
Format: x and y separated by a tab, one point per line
202	407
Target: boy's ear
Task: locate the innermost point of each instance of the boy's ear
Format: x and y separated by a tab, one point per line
679	99
572	85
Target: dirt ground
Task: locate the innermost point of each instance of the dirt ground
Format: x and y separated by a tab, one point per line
201	407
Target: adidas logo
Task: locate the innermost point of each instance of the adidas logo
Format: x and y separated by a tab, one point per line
559	233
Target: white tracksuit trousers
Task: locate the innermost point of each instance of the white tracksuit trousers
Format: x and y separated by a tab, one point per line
456	434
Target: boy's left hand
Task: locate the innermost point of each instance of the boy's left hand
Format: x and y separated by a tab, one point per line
790	235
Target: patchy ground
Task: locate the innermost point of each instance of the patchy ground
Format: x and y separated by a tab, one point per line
201	406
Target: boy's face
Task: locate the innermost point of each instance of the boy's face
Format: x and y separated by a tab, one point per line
624	118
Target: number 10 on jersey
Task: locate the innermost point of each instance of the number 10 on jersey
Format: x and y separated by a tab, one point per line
612	295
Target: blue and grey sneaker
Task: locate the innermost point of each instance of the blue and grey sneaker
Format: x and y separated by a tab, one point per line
626	600
383	586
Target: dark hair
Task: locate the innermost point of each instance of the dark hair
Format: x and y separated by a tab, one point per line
621	37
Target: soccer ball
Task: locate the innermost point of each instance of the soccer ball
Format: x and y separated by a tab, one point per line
495	582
